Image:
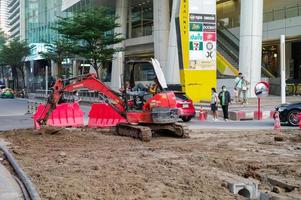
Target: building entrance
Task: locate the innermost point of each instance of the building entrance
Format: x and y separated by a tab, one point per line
296	55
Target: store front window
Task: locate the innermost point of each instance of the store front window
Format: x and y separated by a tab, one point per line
140	20
270	59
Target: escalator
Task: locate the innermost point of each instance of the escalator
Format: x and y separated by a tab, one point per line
228	54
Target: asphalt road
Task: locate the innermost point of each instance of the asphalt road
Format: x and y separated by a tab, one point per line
13	107
234	125
12	116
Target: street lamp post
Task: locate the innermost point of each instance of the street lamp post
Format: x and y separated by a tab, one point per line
46	80
282	58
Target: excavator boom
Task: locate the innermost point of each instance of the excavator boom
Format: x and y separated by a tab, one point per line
90	82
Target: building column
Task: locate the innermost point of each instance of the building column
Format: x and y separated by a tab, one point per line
74	68
118	60
32	76
54	69
161	32
172	69
250	46
26	77
22	20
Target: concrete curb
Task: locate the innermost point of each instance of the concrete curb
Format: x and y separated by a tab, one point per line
242	115
10	190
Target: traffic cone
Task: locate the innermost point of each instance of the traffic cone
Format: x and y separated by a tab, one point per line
202	116
300	120
277	124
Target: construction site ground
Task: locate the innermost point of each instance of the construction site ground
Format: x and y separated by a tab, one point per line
94	164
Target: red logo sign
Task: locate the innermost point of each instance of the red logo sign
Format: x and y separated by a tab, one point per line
209	37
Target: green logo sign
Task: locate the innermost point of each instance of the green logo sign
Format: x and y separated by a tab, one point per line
195	46
196	27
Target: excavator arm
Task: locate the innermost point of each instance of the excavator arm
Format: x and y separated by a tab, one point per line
90	82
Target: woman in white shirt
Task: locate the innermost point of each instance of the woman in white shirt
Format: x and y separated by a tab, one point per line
244	89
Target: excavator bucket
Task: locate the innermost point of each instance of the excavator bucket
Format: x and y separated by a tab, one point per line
103	115
64	115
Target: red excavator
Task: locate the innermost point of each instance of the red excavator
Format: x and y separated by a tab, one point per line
137	112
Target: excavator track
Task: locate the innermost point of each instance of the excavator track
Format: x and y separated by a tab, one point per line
181	130
143	133
177	129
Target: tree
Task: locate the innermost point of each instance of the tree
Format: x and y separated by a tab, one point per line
92	31
13	54
3	40
58	51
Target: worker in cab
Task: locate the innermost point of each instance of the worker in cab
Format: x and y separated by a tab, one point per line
155	88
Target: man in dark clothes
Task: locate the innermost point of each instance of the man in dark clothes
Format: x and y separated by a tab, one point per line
224	99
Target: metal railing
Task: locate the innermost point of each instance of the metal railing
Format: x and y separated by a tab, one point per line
83	95
228	46
283	13
269	16
227	33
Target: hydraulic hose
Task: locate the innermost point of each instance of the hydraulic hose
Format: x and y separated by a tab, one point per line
21	174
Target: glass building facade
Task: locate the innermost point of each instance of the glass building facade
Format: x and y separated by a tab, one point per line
278	17
40	17
140	20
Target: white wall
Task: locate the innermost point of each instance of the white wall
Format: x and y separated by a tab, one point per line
279	4
290	27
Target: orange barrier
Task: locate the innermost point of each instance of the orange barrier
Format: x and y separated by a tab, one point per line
64	115
103	115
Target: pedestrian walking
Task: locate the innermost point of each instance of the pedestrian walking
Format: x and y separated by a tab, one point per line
238	86
235	92
244	89
225	98
213	105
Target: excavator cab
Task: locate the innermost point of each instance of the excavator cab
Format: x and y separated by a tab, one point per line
139	83
147	83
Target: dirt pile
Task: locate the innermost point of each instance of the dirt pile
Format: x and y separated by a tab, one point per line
89	165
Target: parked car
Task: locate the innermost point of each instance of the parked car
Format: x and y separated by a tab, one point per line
185	106
289	113
7	93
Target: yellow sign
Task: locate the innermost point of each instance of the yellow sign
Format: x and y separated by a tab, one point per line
197	45
184	27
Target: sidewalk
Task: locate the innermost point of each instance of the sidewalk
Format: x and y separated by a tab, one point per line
9	188
248	111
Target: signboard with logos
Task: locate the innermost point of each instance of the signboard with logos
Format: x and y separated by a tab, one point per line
196	33
36	49
202	42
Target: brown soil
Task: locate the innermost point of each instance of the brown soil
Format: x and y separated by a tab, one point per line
74	164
